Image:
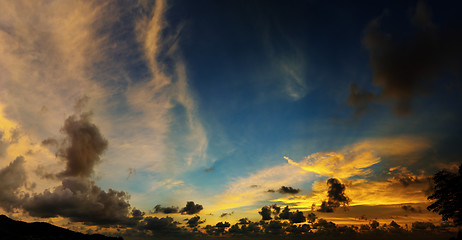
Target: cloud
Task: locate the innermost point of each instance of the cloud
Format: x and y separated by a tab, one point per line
293	217
191	208
406	66
83	146
288	190
265	213
165	101
12	178
360	99
226	214
353	160
336	196
194	222
338	164
81	200
411	209
364	192
159	209
159	225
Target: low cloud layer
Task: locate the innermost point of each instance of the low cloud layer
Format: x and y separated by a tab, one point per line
81	200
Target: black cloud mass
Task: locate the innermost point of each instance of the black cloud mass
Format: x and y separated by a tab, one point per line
405	66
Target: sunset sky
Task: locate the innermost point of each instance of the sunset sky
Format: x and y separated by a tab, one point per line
111	106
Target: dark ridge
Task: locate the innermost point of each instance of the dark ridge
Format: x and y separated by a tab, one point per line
11	229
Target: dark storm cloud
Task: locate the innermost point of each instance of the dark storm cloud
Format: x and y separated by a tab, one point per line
159	209
288	190
81	200
336	196
83	146
408	65
12	177
191	208
159	225
194	222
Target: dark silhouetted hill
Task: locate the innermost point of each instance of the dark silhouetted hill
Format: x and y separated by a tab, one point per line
11	229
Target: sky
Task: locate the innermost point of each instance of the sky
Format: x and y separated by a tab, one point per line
110	108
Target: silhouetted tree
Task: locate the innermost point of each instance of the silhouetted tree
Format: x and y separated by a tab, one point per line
448	195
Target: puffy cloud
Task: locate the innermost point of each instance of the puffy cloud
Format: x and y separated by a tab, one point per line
81	200
265	213
159	209
194	222
336	192
405	66
288	190
83	146
12	177
293	217
191	208
159	225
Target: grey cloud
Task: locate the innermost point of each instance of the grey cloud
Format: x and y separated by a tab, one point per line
288	190
226	214
12	177
159	225
81	200
83	146
191	208
293	217
194	222
159	209
405	66
50	141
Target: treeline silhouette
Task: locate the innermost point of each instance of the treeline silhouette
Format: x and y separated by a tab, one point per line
18	230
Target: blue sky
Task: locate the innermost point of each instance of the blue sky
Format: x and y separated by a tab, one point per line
218	102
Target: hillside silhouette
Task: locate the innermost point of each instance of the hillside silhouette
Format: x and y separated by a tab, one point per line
12	229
